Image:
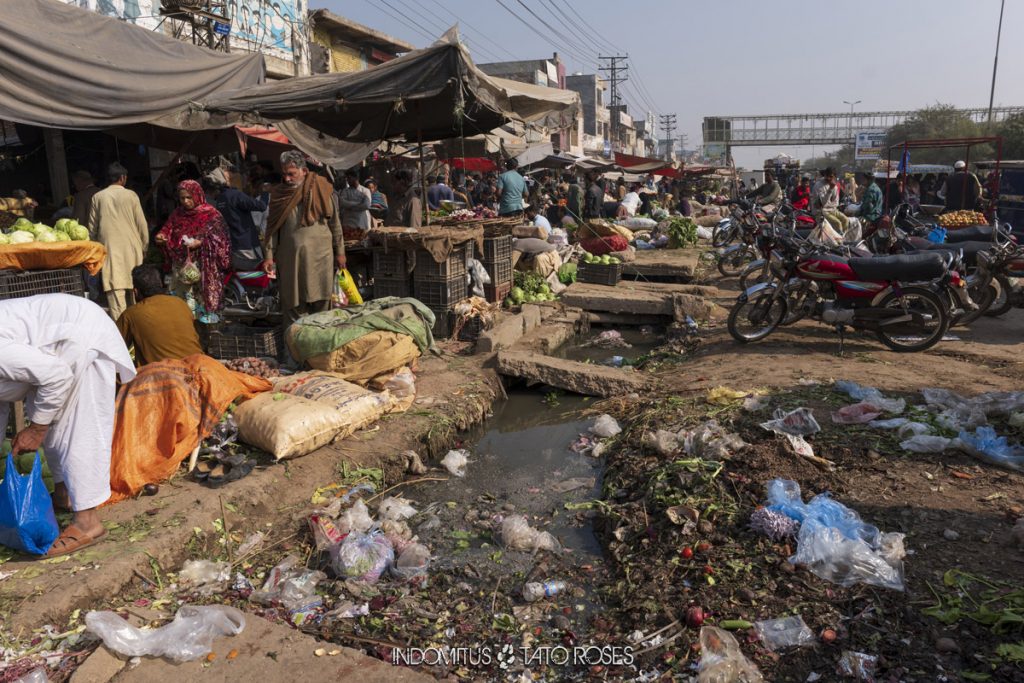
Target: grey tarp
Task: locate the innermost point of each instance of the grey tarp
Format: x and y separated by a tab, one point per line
66	67
436	93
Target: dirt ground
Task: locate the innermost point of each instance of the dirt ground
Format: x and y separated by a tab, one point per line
645	582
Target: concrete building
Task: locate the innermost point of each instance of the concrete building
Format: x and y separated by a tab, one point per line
596	117
340	45
549	73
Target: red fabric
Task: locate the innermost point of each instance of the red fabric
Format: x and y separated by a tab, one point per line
599	246
801	197
481	164
213	255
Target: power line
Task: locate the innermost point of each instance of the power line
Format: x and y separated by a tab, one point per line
593	31
571	53
616	75
433	24
568	42
397	17
668	125
480	33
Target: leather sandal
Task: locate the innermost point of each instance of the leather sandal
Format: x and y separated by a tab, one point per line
71	540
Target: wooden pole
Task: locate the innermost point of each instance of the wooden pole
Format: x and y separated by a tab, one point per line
423	178
57	163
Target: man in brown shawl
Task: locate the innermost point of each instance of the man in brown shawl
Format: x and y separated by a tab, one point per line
303	221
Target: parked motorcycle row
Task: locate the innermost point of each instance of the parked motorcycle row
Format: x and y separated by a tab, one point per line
896	282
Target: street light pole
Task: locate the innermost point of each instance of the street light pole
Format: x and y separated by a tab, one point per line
850	121
995	62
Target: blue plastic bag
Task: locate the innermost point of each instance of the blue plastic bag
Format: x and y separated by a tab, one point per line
784	496
937	235
985	444
27	521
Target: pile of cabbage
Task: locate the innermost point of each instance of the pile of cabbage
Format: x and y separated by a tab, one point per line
65	230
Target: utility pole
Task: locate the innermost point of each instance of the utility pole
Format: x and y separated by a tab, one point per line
668	126
207	20
995	63
616	74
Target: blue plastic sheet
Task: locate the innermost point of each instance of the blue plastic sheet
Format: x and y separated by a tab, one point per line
27	521
937	234
984	443
784	496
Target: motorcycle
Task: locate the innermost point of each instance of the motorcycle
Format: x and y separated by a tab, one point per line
1003	260
255	290
896	297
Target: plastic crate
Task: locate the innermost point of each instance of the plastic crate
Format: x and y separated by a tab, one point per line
15	284
429	269
391	286
497	248
441	296
495	294
390	263
599	273
239	341
500	271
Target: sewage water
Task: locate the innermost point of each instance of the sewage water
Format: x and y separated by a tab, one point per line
641	340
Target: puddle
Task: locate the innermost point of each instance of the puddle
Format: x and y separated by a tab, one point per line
520	463
642	341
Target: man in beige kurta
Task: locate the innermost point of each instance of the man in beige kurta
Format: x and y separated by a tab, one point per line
116	220
304	239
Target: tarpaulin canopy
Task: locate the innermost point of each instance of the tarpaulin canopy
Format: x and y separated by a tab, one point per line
67	67
637	164
478	164
430	94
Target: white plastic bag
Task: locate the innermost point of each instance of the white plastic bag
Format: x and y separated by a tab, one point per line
842	560
516	533
189	637
356	519
363	557
395	508
911	429
205	575
605	426
413	561
722	661
455	462
799	422
779	634
924	443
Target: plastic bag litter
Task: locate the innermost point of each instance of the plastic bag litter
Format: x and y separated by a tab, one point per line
455	462
402	384
704	233
205	575
252	542
985	444
711	441
923	443
798	422
356	519
413	561
516	533
34	676
857	665
189	637
662	442
395	508
609	339
363	557
962	414
289	584
870	395
398	532
835	543
778	634
858	413
1017	420
722	661
605	426
889	424
753	404
913	429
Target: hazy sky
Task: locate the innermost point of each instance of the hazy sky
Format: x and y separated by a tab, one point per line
733	57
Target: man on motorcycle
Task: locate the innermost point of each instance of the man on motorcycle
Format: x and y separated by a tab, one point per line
770	192
871	201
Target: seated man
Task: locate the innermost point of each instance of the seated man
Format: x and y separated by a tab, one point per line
160	326
62	356
538	220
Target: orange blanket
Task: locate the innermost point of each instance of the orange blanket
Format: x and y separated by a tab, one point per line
53	255
165	412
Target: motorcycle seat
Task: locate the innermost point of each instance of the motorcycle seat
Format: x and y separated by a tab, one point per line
970	249
903	267
978	232
803	234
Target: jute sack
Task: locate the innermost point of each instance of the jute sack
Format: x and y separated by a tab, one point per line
371	355
287	426
359	407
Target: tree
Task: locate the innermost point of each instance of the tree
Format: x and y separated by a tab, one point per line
1012	130
940	121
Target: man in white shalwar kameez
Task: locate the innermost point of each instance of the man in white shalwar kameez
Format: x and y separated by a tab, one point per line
61	354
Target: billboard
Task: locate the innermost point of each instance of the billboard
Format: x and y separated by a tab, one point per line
273	27
869	145
144	13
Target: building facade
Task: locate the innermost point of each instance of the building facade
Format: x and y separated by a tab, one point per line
340	45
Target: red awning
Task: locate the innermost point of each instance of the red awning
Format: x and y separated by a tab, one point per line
635	164
480	164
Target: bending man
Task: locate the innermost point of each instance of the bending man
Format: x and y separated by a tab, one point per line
61	356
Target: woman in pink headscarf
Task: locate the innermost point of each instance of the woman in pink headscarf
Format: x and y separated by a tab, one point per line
195	240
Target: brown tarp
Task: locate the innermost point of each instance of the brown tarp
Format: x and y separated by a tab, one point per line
67	67
53	255
439	241
433	93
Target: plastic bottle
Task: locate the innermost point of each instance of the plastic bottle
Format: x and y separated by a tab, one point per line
534	591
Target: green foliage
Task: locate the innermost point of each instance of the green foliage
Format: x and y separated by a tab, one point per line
940	121
1012	130
681	231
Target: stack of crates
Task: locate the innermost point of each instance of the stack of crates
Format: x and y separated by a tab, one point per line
441	285
497	261
391	274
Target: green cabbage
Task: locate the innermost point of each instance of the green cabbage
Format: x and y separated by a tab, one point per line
78	232
46	236
61	236
62	224
4	239
21	237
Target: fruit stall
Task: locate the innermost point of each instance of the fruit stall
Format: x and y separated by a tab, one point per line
39	259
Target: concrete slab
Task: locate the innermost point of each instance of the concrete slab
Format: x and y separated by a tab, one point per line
640	299
273	652
580	378
667	263
99	667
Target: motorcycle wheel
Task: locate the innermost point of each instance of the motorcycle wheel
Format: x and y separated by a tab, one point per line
723	237
732	264
754	274
983	297
908	338
234	296
1001	302
796	303
763	313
